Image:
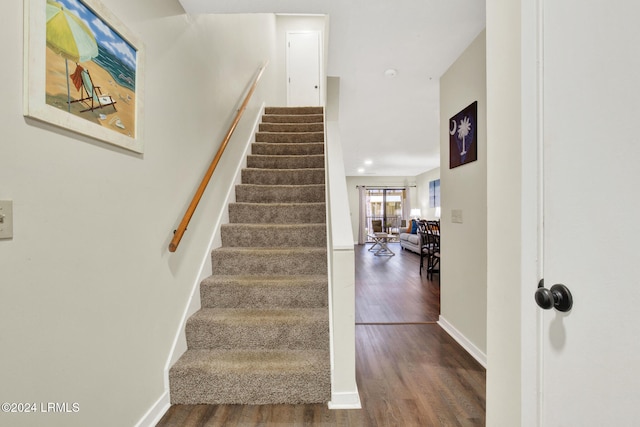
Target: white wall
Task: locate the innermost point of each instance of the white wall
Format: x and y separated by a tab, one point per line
344	389
464	246
422	187
89	295
512	230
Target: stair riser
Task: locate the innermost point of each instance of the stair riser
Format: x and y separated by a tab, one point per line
293	110
270	149
263	262
288	118
289	137
307	295
239	235
279	194
266	335
261	213
291	127
195	387
283	177
285	162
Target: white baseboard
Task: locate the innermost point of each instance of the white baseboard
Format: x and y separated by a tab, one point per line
345	400
155	413
474	351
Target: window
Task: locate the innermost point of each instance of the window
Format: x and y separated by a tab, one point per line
386	205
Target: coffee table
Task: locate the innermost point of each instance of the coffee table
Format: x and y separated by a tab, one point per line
380	247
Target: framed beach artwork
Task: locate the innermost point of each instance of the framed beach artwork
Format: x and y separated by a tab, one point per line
83	71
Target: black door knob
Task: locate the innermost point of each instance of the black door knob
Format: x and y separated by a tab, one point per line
558	297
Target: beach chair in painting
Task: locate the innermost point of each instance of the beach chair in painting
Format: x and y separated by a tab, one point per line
90	95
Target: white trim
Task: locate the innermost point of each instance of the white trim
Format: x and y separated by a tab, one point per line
156	411
474	351
345	400
531	221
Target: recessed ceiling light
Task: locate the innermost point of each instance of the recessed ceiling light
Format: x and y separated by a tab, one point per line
360	170
368	162
391	73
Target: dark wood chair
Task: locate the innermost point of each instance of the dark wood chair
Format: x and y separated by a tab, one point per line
429	247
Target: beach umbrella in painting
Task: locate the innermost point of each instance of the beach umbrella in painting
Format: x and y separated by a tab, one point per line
69	37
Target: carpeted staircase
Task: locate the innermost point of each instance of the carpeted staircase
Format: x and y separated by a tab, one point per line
262	335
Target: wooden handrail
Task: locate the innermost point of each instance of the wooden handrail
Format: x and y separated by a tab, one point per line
179	232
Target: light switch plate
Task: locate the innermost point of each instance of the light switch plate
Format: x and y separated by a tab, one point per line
6	219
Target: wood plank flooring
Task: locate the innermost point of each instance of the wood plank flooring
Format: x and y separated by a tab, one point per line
391	289
409	371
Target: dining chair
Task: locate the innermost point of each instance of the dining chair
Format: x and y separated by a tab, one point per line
430	247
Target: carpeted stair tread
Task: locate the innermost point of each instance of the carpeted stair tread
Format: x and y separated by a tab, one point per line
292	118
284	148
237	291
289	137
261	161
282	176
251	377
293	110
257	193
229	328
277	213
291	127
269	235
269	261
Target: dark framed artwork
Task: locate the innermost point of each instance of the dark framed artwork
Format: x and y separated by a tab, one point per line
463	136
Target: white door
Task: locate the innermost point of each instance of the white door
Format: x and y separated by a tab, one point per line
590	356
303	68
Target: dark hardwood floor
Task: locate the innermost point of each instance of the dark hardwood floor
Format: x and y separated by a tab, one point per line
409	371
391	289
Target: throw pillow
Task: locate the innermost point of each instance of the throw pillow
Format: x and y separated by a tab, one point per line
414	227
408	230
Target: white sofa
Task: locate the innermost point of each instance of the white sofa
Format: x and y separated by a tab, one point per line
410	241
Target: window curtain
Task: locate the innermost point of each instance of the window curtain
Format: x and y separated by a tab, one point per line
406	206
362	215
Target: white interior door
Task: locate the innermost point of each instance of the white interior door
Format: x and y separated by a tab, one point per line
303	68
590	356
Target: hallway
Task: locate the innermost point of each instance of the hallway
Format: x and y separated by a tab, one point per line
409	371
391	290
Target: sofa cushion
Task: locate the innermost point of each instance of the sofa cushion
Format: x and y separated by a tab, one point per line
413	238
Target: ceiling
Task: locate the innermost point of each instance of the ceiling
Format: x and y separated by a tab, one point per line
391	122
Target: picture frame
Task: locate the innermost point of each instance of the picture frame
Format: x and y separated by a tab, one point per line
83	71
463	136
